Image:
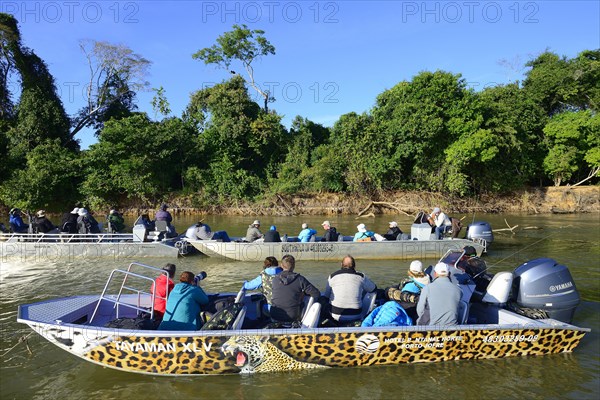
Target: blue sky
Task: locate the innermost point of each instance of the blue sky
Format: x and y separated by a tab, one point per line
332	57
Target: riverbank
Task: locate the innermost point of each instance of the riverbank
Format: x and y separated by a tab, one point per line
549	200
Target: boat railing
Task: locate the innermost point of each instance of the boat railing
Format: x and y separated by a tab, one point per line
66	237
139	292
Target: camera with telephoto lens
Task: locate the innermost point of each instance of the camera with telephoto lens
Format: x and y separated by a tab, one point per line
199	277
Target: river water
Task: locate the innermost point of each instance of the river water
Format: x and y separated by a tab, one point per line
39	370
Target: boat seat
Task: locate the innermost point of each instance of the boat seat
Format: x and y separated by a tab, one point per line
368	304
340	237
240	296
311	316
499	288
239	320
308	302
463	312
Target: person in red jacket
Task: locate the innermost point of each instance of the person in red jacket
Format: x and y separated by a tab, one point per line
161	288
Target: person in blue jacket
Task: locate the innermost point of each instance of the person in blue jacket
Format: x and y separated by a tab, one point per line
363	234
16	222
306	233
389	314
183	305
264	281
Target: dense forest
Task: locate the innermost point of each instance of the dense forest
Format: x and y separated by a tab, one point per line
431	133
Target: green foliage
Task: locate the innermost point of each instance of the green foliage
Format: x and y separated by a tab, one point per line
49	179
573	138
137	158
243	45
160	104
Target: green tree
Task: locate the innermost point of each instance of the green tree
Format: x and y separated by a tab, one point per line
573	139
49	180
241	44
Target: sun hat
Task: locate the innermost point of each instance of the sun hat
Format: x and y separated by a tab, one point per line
441	268
256	222
394	224
82	211
113	211
436	210
41	213
75	210
326	223
416	267
361	228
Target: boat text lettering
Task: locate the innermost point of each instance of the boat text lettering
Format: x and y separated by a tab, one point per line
161	347
307	247
510	338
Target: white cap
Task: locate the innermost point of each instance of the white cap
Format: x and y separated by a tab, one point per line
304	225
393	224
361	228
436	210
82	211
256	222
75	210
326	223
416	266
441	268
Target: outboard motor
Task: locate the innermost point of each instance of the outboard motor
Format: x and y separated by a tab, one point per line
544	287
480	230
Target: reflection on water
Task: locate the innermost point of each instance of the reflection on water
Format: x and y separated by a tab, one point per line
51	373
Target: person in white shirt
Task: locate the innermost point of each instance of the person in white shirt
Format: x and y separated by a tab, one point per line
441	222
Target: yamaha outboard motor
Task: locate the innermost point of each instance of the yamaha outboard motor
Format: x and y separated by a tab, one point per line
480	230
544	288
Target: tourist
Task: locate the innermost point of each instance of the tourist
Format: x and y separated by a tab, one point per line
441	222
393	232
331	234
182	312
306	233
272	236
409	289
161	287
475	267
389	314
16	221
163	215
253	233
438	303
115	221
86	223
264	281
147	222
43	224
289	289
363	235
199	231
69	221
345	290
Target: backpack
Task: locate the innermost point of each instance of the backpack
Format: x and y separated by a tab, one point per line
223	319
137	323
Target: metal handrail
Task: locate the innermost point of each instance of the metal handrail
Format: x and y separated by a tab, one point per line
117	302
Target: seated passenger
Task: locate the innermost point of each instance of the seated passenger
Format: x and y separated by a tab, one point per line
438	304
265	281
393	232
289	289
253	233
116	221
475	267
306	233
184	303
441	222
409	289
389	314
363	235
69	221
345	290
199	231
86	223
161	287
331	234
43	224
147	222
163	215
16	221
272	236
